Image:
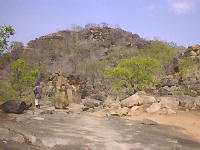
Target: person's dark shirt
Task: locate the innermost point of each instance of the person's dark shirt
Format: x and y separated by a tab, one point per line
38	92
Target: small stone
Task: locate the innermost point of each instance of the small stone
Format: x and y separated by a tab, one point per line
148	122
170	111
38	118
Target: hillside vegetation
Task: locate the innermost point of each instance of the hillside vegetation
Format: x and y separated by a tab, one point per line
92	50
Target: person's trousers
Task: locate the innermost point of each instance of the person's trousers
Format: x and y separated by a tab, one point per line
36	102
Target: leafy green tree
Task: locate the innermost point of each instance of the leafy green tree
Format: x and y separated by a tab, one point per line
23	75
7	92
135	73
5	33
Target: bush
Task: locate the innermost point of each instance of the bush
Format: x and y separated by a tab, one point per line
161	51
93	69
23	75
7	92
135	73
187	67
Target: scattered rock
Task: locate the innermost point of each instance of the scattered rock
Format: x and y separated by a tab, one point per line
154	108
98	97
47	112
91	103
170	111
148	122
85	108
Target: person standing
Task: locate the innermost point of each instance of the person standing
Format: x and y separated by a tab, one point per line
38	94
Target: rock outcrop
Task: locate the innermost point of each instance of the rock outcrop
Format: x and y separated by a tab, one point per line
70	86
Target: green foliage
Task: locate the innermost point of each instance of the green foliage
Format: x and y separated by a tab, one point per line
7	92
161	51
135	73
5	33
23	75
187	67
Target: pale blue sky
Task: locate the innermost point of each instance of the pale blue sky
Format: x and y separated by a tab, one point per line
170	20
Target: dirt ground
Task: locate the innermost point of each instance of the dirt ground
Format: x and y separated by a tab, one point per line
190	121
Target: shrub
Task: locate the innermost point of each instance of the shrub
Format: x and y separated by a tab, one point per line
7	92
135	73
187	67
92	68
161	51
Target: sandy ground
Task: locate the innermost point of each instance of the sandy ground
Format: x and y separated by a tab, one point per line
189	121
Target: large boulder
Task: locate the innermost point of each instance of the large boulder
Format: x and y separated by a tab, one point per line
169	102
137	99
61	103
15	106
132	101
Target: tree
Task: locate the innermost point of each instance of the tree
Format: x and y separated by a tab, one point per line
23	75
135	73
5	33
92	68
162	51
14	45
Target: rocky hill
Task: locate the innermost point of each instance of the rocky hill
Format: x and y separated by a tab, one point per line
96	48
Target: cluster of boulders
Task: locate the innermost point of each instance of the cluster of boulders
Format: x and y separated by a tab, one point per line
193	51
176	86
114	37
143	102
65	88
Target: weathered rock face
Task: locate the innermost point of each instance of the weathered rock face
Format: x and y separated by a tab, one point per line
109	36
15	106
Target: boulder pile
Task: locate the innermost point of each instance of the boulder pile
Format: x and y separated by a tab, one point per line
70	87
143	102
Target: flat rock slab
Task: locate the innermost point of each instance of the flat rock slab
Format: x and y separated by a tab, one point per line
61	131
